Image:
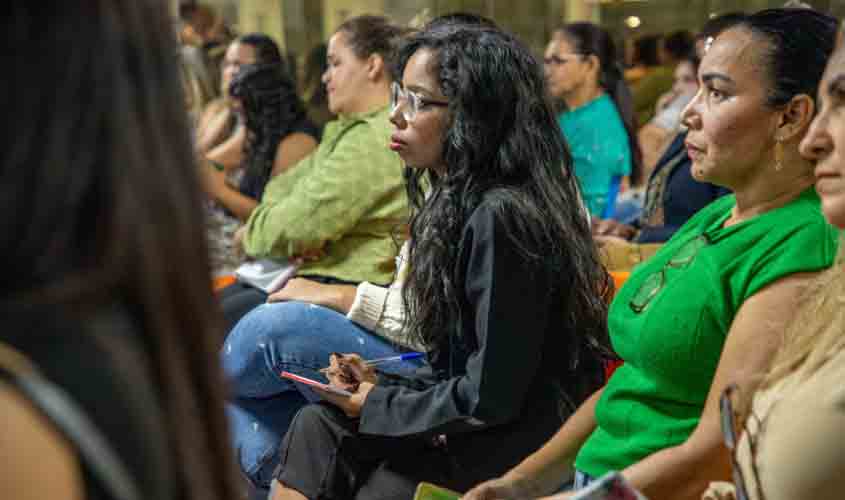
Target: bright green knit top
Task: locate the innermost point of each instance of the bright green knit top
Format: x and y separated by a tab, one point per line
346	198
671	348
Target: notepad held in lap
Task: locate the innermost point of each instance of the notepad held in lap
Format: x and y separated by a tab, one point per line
266	274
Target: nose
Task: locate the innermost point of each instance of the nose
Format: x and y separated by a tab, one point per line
817	143
690	116
325	78
397	117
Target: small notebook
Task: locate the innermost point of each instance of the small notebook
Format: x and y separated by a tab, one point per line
428	491
266	274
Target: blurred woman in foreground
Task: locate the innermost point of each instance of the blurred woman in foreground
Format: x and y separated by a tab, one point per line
106	289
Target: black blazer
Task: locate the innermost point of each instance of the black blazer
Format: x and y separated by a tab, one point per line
504	385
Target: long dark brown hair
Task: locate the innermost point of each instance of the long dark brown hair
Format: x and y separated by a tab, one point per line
100	202
503	138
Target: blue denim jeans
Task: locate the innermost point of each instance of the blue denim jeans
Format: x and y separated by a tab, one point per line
289	336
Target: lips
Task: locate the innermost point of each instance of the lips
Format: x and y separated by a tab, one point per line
693	150
396	143
827	179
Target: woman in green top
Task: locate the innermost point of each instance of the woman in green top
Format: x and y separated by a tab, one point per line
343	202
710	307
598	123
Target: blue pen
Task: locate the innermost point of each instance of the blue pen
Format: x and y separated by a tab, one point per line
378	361
403	357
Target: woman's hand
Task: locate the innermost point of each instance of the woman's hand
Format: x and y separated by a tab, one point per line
719	490
610	227
351	405
337	297
508	487
349	370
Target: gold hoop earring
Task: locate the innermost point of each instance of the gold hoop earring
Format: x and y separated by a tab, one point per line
778	156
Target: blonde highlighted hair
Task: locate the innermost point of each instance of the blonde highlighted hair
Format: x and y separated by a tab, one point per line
817	333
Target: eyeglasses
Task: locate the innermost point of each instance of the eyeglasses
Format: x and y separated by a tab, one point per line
654	283
414	102
731	430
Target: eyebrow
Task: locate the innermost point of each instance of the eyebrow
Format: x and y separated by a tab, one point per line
709	77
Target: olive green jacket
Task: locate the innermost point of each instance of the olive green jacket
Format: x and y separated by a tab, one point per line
347	199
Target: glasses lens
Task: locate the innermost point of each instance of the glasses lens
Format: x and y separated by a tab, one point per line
647	291
688	251
394	96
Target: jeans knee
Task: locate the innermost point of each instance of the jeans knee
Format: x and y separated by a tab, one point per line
270	335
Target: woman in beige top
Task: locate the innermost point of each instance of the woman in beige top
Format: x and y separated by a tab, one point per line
791	445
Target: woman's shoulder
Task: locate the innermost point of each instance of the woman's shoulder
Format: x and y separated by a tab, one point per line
32	450
101	361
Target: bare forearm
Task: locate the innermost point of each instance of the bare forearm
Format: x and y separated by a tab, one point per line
240	205
680	473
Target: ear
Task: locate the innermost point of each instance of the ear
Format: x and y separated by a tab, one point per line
593	62
796	117
375	66
593	65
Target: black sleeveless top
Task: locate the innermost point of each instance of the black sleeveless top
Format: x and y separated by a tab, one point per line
101	363
253	183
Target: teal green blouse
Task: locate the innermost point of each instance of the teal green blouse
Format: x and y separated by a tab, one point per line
687	296
600	150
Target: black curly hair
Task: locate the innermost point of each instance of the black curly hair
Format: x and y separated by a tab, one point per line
272	108
502	136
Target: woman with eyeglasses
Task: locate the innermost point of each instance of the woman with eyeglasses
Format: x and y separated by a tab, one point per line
786	441
502	287
598	121
709	308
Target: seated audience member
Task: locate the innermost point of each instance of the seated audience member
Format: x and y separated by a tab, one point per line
598	124
278	135
644	57
109	385
505	311
672	49
344	201
196	82
220	121
788	444
206	30
709	308
303	325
